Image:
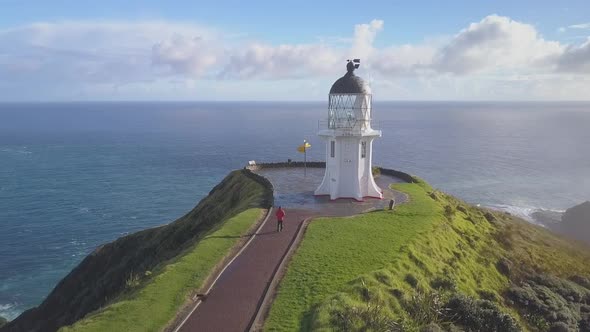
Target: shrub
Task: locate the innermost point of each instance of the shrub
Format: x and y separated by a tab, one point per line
504	266
368	316
478	315
3	321
443	283
410	279
383	278
132	280
490	217
364	291
537	321
582	281
487	295
559	327
424	308
397	293
539	300
433	196
505	236
567	289
449	212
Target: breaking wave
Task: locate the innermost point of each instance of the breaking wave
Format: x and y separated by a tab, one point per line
536	215
9	311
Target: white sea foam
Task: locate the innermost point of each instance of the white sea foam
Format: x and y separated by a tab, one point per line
5	306
524	212
16	151
9	311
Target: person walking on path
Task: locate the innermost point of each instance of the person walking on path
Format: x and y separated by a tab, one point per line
280	215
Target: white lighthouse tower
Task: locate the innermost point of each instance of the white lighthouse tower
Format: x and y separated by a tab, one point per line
349	139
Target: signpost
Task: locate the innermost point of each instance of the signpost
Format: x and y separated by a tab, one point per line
303	149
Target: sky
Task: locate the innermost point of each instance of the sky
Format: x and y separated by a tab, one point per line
293	50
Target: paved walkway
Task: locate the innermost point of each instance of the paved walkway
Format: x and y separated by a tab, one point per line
233	302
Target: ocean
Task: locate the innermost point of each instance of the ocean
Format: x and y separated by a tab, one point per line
76	175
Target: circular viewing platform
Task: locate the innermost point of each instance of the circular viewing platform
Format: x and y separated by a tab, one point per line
294	188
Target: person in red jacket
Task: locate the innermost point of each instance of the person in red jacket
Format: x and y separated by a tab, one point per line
280	215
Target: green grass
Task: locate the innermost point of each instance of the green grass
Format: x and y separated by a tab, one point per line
335	251
152	306
455	255
398	267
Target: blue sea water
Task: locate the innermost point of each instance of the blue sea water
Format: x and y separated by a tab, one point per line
75	175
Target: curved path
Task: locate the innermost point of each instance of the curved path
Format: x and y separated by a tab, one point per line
236	297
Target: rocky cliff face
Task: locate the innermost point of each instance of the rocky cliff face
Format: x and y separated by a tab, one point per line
101	277
575	222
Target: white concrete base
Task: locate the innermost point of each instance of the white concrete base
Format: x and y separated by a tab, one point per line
349	172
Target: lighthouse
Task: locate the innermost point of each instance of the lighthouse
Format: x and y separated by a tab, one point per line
349	139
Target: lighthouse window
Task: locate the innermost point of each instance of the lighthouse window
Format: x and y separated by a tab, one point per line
363	149
332	149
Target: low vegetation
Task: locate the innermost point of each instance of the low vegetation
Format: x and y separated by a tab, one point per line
433	264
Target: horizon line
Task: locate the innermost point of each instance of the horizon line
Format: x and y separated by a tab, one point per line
292	101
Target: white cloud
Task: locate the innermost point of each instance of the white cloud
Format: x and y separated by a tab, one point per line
575	59
193	56
496	43
364	36
257	60
404	60
580	26
72	58
88	51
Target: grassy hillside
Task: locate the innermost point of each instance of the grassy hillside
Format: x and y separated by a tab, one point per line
433	264
152	305
334	251
106	275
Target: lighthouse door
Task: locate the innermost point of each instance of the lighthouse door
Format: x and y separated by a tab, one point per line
348	171
348	154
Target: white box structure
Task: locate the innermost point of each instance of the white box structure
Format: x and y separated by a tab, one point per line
349	140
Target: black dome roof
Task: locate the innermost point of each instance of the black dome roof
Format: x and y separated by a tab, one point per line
350	83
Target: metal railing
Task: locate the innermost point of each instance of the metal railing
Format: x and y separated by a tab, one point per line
346	127
347	124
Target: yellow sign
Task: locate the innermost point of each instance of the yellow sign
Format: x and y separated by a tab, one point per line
303	147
